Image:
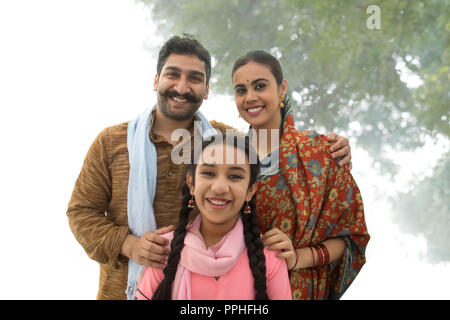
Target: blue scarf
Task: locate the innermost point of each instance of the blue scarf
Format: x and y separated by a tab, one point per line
142	183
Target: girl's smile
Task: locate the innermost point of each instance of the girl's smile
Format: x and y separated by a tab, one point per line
218	203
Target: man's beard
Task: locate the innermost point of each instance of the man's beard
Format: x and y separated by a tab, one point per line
163	103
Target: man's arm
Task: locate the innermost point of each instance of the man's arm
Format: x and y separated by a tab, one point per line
98	234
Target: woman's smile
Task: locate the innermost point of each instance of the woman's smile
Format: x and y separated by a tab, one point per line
254	111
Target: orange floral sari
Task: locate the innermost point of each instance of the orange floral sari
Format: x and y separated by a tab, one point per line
311	199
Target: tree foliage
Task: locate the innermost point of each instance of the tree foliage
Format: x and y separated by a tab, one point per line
426	210
387	87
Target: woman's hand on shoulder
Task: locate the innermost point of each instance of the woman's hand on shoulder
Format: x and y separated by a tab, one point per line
275	239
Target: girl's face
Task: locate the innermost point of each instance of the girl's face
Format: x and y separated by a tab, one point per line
258	95
221	188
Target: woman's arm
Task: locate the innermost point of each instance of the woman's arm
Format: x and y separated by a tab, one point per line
275	239
335	247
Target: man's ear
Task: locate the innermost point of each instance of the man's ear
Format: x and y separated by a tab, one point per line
190	183
251	191
205	95
155	83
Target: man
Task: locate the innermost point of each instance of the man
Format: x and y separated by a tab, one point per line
128	191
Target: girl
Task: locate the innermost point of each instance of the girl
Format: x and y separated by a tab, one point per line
220	255
307	206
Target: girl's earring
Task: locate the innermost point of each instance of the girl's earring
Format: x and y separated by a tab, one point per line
247	209
191	203
282	102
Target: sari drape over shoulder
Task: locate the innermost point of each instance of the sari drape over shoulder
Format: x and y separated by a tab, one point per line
311	199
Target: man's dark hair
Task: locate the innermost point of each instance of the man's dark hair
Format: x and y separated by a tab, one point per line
184	45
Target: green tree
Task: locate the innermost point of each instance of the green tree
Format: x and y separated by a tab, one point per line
344	76
426	209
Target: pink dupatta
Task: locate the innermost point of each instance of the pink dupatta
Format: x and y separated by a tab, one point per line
214	261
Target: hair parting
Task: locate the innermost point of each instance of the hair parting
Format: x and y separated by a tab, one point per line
261	57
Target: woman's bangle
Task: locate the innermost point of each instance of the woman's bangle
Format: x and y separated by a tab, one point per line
321	256
325	252
312	252
296	260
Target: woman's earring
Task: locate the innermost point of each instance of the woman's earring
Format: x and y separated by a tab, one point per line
191	203
247	209
281	102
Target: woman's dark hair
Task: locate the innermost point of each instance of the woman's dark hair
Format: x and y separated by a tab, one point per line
262	57
184	45
257	260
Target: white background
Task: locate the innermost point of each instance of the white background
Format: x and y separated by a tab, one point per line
68	69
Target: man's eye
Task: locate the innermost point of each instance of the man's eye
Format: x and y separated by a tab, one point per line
196	79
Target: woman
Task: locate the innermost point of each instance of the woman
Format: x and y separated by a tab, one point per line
220	255
307	206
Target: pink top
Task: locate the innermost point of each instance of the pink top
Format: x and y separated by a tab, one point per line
237	284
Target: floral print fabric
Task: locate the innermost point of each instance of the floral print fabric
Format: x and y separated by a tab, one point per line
311	199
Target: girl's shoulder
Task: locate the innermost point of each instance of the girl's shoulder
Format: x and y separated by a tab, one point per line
168	236
148	281
270	254
272	261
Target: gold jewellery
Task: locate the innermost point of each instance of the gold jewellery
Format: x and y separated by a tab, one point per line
281	102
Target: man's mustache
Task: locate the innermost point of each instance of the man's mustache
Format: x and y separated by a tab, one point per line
171	94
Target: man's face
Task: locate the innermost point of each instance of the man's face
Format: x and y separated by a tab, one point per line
181	86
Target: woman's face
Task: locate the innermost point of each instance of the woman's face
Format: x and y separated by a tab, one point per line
221	188
258	95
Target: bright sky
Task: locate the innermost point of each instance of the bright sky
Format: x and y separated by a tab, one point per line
68	69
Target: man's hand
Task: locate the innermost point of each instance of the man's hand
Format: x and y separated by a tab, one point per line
340	147
149	250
